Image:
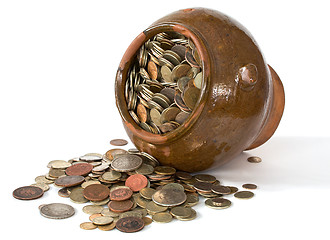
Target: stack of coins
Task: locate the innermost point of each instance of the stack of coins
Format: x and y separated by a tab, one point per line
122	187
164	82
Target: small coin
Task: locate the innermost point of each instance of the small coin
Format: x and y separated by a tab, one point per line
165	170
145	169
181	212
64	192
147	220
107	227
198	80
59	164
147	193
136	182
205	187
120	206
102	220
130	224
91	209
191	217
249	186
28	193
112	175
174	185
205	178
162	217
181	117
43	179
43	186
55	173
191	96
79	169
233	189
141	201
77	196
118	142
96	192
69	181
121	194
217	203
183	175
218	189
254	159
57	210
100	203
90	182
152	207
126	163
244	195
169	197
90	158
88	226
94	215
112	153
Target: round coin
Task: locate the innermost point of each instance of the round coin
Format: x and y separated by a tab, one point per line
162	217
64	192
79	169
147	193
165	170
249	186
130	224
136	182
57	210
102	220
59	164
28	193
169	197
218	189
152	207
107	227
217	203
69	181
88	226
254	159
118	142
45	187
96	192
77	196
120	206
126	163
181	212
147	220
121	194
244	195
91	209
205	178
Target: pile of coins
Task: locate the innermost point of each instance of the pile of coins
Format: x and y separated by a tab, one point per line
124	187
164	82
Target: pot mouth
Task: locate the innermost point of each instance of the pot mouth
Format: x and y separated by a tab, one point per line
128	60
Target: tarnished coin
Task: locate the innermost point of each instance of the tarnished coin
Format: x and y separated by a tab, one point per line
147	220
112	175
142	113
57	211
88	226
145	169
217	203
191	217
79	169
64	192
162	217
96	192
218	189
94	215
121	194
43	186
165	170
155	116
181	117
55	173
249	186
232	189
147	193
181	212
205	178
107	227
192	199
244	195
254	159
77	195
100	203
59	164
152	207
69	181
169	197
126	163
198	80
112	153
136	182
102	220
90	158
28	193
90	182
191	96
174	185
120	206
108	212
205	187
166	73
91	209
130	224
141	201
183	175
43	179
118	142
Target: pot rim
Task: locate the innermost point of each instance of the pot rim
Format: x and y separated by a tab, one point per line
125	64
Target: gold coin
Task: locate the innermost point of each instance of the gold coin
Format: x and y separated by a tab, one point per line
60	164
198	80
254	159
166	73
145	169
244	195
147	221
162	217
191	217
112	175
55	173
103	220
100	203
130	214
91	209
232	189
152	207
95	215
140	201
109	213
87	183
191	96
155	116
169	197
43	179
218	203
87	226
181	212
164	170
147	193
77	196
43	186
205	178
107	227
249	186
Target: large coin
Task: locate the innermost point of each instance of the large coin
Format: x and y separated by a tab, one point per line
79	169
28	193
169	197
162	217
244	195
130	224
69	181
120	206
136	182
126	163
77	195
120	194
96	192
57	210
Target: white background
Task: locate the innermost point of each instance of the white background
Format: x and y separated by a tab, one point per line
58	61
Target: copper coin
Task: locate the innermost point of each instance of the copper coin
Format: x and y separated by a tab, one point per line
64	192
120	206
121	194
183	175
152	70
142	113
130	224
218	189
96	192
28	193
69	181
254	159
79	169
136	182
249	186
205	178
118	142
203	186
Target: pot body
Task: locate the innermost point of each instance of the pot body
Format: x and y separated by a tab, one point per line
242	98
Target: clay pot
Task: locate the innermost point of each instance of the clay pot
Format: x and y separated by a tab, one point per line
242	98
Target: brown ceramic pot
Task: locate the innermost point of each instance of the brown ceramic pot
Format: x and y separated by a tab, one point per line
241	102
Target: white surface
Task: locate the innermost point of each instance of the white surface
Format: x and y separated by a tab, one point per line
58	61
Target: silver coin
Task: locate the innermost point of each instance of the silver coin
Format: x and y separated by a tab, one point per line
88	158
126	163
57	210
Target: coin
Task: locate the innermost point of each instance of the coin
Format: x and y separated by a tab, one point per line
69	181
162	217
112	175
147	221
118	142
126	163
191	217
102	220
136	182
130	224
121	194
152	70
191	96
205	178
254	159
57	210
77	196
218	189
152	207
181	117
59	164
114	152
244	195
96	192
232	189
64	192
140	201
88	226
147	193
142	113
94	215
90	182
198	80
100	203
28	193
203	186
91	209
120	206
43	179
145	169
79	169
249	186
217	203
181	212
90	158
107	227
169	197
108	212
43	186
174	185
55	173
165	170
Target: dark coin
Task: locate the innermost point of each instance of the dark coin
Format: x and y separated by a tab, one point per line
28	193
244	195
205	178
218	189
120	206
118	142
64	192
69	181
130	224
120	194
183	175
203	186
96	192
249	186
254	159
79	169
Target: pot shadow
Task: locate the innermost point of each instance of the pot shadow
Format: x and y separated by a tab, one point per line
287	163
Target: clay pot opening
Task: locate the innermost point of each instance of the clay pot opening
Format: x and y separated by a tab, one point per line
129	59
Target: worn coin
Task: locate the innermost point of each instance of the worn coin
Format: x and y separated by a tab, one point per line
203	186
112	153
118	142
77	196
55	173
59	164
217	203
107	227
90	182
102	220
182	212
91	209
100	203
130	224
64	192
147	220
94	215
254	159
164	170
69	181
147	193
162	217
88	226
43	186
79	169
136	182
112	175
57	210
96	192
169	197
43	179
120	194
145	169
218	189
152	207
126	163
249	186
232	189
244	195
28	193
120	206
205	178
191	217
